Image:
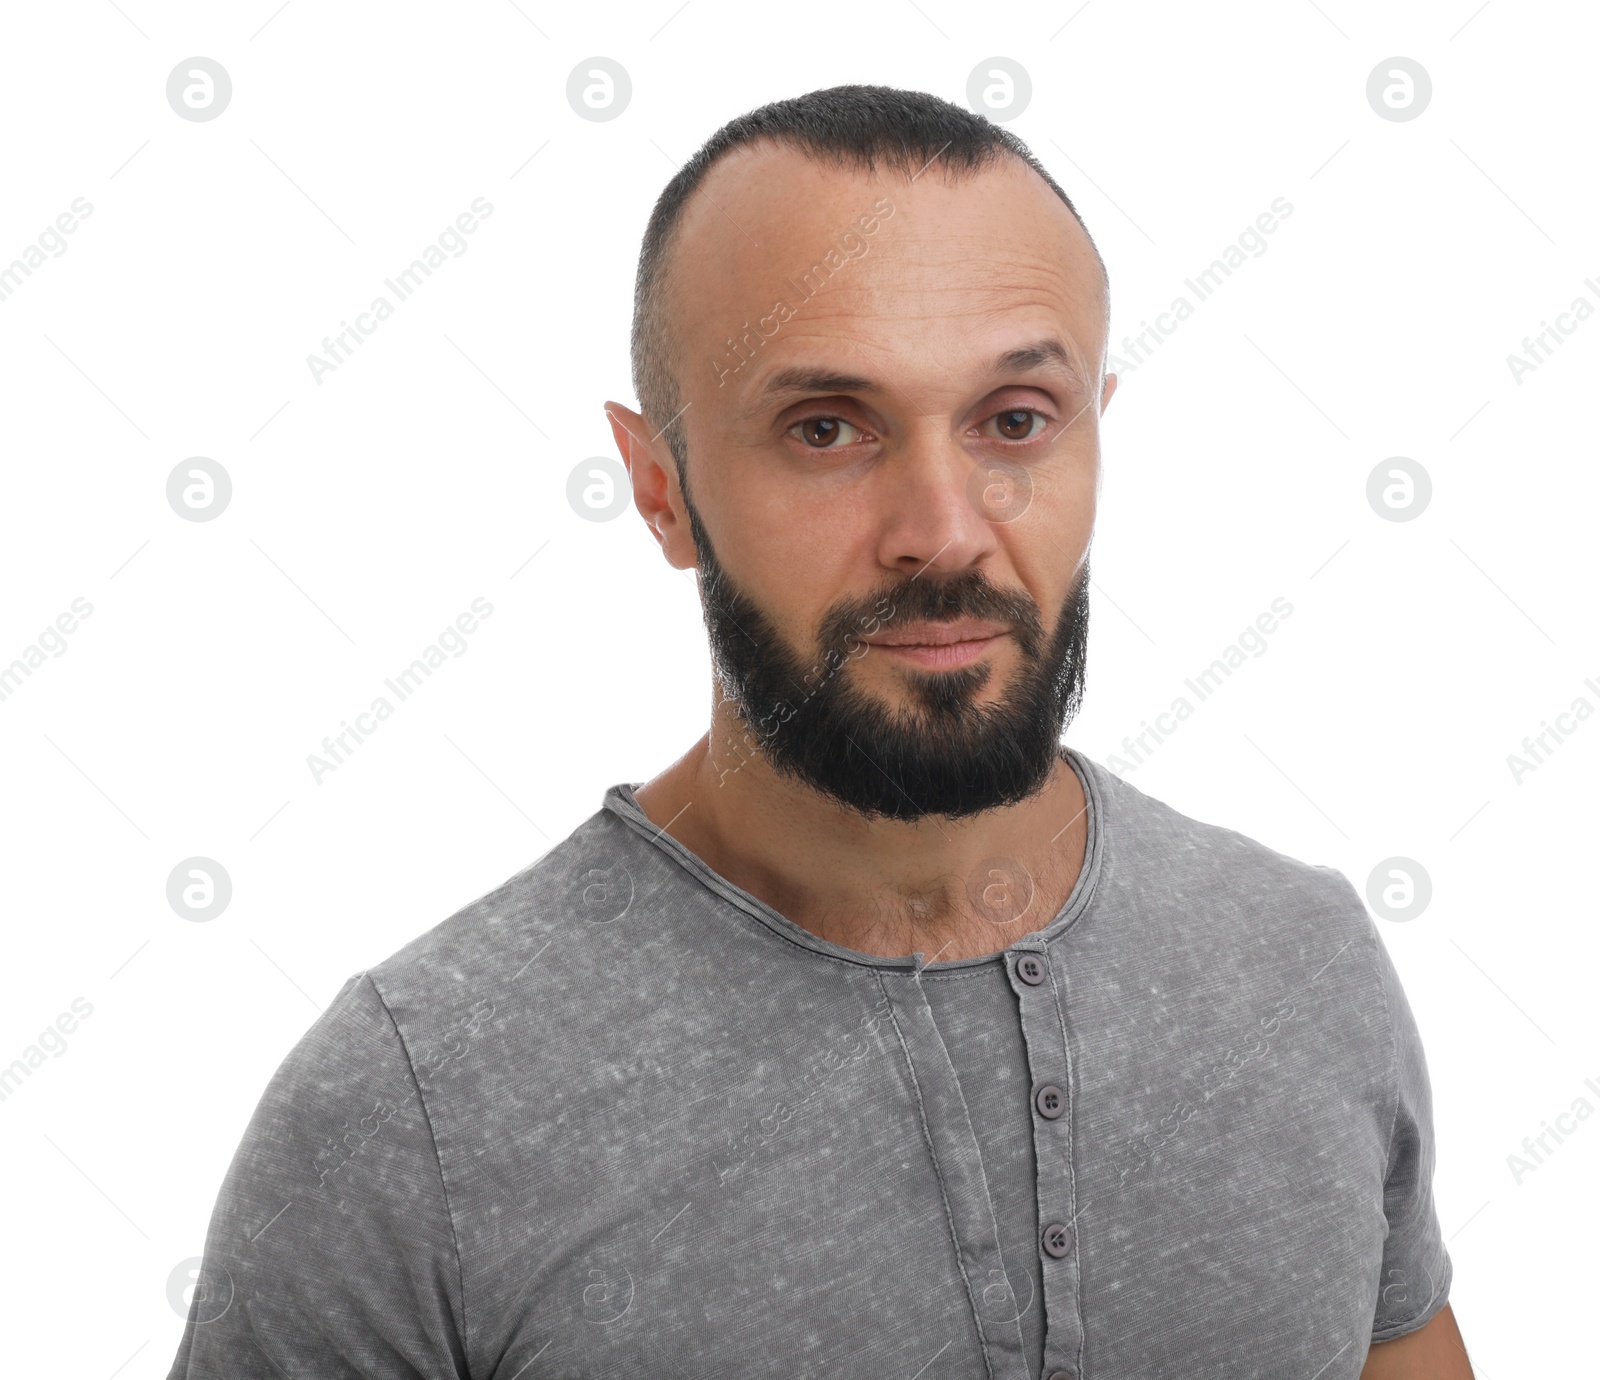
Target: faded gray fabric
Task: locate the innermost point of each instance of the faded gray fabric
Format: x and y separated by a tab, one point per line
619	1118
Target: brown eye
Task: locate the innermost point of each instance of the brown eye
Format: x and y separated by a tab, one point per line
820	433
1016	424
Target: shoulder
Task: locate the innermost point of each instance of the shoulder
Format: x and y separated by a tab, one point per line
1155	850
1190	905
450	974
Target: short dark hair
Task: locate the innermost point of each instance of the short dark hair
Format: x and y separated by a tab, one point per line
855	127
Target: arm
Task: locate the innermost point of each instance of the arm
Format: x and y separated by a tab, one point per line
1434	1351
331	1253
1414	1335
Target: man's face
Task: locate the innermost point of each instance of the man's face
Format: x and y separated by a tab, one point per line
870	476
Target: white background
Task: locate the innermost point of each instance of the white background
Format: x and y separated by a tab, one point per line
370	509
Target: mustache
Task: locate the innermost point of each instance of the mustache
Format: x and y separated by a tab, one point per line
968	594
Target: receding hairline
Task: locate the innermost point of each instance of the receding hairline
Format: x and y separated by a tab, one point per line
849	128
990	159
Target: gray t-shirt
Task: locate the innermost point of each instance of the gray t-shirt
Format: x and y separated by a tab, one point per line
620	1118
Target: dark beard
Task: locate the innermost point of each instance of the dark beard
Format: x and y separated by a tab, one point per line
943	755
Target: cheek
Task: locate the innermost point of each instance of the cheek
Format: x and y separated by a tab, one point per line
1067	491
1059	518
1047	545
795	554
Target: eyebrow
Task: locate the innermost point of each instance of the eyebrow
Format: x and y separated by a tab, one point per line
799	379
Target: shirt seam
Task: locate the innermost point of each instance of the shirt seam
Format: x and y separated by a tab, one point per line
1435	1304
938	1174
1394	1115
433	1138
1056	991
1394	1049
624	811
1097	853
982	1173
715	883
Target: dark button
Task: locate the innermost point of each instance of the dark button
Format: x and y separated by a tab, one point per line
1030	968
1062	1375
1050	1101
1057	1239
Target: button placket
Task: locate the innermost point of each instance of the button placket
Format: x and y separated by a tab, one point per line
1038	984
958	1161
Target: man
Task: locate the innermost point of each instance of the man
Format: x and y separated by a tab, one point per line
878	1035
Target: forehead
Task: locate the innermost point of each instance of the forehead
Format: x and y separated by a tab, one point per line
928	265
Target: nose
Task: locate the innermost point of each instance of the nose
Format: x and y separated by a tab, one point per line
932	509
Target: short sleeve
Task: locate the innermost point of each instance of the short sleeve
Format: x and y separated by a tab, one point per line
330	1250
1415	1279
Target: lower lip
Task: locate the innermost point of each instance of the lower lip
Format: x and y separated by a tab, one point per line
950	654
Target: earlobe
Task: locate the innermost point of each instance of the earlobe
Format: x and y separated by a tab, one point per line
647	470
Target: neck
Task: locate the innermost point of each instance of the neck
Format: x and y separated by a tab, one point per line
948	888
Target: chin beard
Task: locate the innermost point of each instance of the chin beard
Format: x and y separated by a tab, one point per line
941	753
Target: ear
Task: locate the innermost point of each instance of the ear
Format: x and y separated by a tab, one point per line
656	494
1107	391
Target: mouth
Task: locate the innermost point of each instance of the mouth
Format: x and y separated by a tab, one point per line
940	644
